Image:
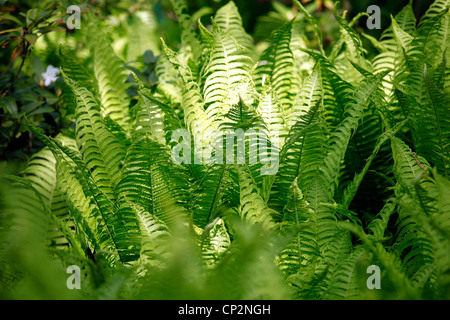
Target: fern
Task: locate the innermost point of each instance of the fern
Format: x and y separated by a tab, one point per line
276	66
338	160
109	72
223	73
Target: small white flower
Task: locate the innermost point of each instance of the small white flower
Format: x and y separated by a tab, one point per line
50	75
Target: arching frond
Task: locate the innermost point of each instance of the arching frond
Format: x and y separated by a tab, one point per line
110	75
342	135
253	209
276	66
229	21
101	150
223	74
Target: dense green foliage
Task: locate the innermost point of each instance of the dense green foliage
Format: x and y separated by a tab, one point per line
363	177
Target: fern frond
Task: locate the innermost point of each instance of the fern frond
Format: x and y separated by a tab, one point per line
312	21
78	72
111	77
425	101
196	119
413	241
154	234
153	117
169	83
253	209
300	156
342	135
101	150
433	35
225	70
147	176
303	249
215	242
337	93
276	66
353	187
90	208
142	35
209	193
272	114
41	173
188	36
229	21
308	97
345	282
